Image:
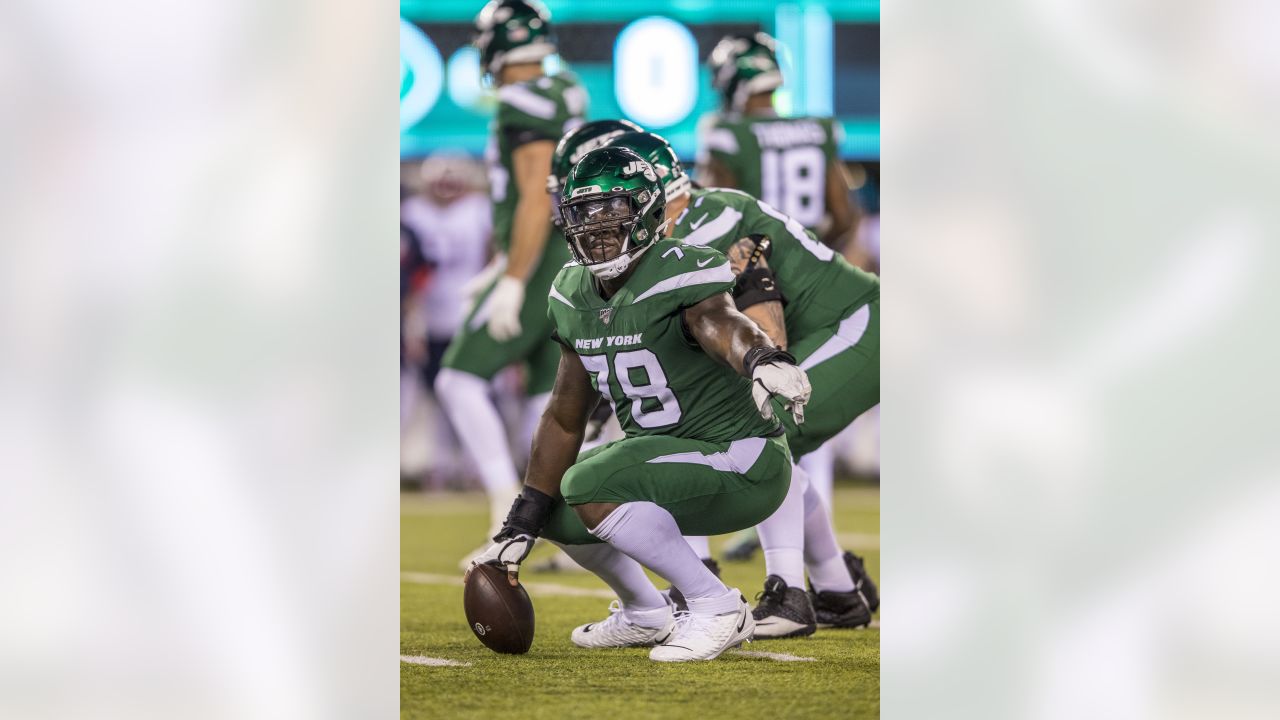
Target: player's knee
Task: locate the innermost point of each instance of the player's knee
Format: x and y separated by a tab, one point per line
578	484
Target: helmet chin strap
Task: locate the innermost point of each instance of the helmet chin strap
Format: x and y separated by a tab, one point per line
615	267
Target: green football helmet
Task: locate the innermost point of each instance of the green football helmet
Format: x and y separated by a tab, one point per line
512	31
573	146
655	148
743	65
613	208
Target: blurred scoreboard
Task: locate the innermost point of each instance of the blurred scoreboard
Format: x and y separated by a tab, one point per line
645	61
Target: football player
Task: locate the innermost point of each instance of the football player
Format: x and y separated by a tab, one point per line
508	322
649	323
791	163
814	304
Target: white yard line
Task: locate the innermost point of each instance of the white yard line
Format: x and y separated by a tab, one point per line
535	588
858	541
432	662
780	657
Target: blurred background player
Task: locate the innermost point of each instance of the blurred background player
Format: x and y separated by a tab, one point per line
508	324
448	221
831	324
792	163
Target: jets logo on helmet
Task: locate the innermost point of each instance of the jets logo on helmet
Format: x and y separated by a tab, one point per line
613	209
658	153
573	146
580	141
640	166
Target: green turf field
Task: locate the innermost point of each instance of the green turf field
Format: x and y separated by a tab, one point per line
559	680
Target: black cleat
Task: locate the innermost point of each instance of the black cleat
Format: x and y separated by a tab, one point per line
862	581
783	611
677	597
840	609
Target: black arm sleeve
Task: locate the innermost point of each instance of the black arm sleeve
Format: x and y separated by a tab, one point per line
756	285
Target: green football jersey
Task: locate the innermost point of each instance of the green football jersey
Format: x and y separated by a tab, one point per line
634	346
544	108
782	161
819	285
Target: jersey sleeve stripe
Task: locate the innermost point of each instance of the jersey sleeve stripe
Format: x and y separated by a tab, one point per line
847	335
719	274
712	230
739	458
527	101
556	294
822	252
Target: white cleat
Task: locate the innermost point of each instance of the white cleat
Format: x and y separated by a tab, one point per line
705	637
616	631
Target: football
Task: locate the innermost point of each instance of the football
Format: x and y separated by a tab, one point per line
499	613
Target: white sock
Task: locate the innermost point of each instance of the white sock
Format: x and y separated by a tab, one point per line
822	555
475	420
648	534
641	601
729	601
782	534
821	466
700	545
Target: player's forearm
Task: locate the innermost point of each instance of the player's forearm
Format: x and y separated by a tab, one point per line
768	315
743	336
529	234
555	449
723	332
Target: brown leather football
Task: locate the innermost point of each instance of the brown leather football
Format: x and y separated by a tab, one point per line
499	613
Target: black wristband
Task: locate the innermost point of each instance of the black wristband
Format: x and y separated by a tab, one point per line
529	514
754	286
762	354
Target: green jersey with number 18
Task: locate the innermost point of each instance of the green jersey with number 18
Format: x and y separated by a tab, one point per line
543	108
639	354
782	161
819	285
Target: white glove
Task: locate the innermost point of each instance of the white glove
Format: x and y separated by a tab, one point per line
788	382
483	279
504	308
507	552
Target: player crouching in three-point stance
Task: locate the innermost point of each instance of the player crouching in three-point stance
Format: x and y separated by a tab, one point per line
649	323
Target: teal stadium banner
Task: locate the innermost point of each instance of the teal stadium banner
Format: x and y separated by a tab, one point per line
645	62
